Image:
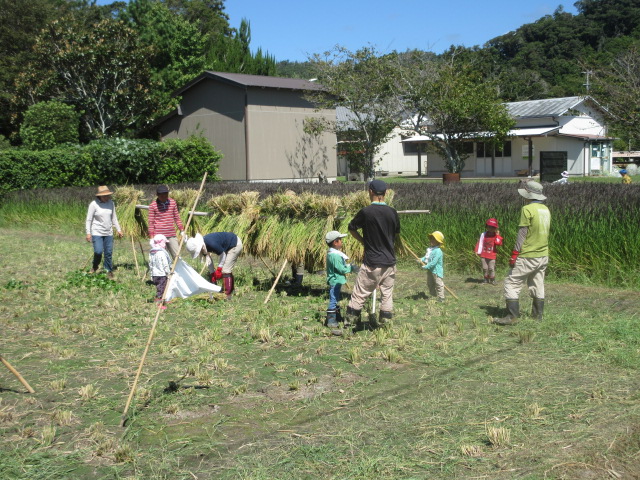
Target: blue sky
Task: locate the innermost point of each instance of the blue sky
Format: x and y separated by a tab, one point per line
294	29
291	30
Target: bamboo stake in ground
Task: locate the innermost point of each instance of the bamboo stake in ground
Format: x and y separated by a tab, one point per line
406	245
18	376
135	257
159	309
275	283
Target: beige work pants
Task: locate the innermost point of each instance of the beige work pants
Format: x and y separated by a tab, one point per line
367	281
530	270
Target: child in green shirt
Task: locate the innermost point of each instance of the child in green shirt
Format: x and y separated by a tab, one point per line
337	268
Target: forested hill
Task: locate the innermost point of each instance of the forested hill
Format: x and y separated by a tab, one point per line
547	58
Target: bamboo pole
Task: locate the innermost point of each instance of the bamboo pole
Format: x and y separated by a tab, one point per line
159	309
135	256
406	245
17	374
275	283
268	268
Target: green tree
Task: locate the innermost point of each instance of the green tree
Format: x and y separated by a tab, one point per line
362	82
233	54
449	103
47	124
101	71
617	88
177	45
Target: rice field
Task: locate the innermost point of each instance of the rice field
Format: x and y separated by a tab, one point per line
594	233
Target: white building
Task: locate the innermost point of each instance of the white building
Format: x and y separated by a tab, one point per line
558	134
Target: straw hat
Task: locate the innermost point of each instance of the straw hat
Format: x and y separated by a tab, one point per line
103	190
532	191
194	245
439	237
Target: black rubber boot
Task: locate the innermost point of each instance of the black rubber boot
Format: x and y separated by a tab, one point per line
353	318
537	308
513	306
332	319
383	318
339	314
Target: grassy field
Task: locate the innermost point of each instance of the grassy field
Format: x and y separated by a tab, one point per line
243	390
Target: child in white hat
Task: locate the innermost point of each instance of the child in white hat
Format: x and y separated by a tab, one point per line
159	266
337	268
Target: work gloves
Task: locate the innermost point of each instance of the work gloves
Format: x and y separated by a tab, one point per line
514	257
217	275
355	269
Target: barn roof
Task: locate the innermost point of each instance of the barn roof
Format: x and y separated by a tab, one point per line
548	107
244	80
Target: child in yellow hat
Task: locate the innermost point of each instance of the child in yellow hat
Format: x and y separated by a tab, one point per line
433	262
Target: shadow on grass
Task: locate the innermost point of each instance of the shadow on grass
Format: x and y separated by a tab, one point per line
493	311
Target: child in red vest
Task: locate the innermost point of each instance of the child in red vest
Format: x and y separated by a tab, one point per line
486	249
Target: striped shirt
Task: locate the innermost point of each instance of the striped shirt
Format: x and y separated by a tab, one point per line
163	218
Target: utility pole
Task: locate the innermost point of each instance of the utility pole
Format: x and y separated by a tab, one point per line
588	73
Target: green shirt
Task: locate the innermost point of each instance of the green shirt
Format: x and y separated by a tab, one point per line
537	218
337	268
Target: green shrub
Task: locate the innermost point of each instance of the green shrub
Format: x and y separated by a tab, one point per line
48	124
59	167
187	160
124	161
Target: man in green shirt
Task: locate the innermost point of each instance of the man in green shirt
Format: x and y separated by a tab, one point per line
530	255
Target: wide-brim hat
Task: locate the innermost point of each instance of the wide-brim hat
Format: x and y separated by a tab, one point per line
334	235
564	174
158	240
194	245
492	222
532	191
103	190
439	237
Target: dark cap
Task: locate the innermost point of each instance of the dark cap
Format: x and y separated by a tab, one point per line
378	186
162	189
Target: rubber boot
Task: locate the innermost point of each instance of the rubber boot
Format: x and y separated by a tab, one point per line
383	319
339	317
332	320
353	318
513	306
537	309
492	281
227	279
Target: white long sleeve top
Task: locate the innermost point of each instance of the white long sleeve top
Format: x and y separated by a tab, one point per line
101	218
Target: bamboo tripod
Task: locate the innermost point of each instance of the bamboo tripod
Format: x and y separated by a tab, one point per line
159	310
406	245
17	374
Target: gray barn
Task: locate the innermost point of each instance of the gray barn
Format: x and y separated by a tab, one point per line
258	124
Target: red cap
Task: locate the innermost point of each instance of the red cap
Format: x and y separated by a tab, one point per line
492	222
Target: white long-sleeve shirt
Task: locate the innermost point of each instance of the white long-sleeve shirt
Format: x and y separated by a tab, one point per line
159	262
101	218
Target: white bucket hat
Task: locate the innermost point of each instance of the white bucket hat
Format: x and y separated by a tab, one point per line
532	191
194	245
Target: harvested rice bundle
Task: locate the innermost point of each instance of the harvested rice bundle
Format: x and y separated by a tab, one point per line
234	213
131	220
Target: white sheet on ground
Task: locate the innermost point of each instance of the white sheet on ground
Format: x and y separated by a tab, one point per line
186	282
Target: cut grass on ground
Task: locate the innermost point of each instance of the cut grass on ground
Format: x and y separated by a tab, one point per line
246	390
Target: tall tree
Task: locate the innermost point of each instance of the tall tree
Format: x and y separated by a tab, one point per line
177	46
617	88
450	104
362	82
101	71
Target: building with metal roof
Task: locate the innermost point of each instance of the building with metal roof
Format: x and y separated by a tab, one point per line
258	123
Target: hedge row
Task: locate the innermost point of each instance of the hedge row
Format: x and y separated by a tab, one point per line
109	161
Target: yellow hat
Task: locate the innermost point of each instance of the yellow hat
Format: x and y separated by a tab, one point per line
438	236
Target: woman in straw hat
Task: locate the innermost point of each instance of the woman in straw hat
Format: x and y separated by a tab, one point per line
101	218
